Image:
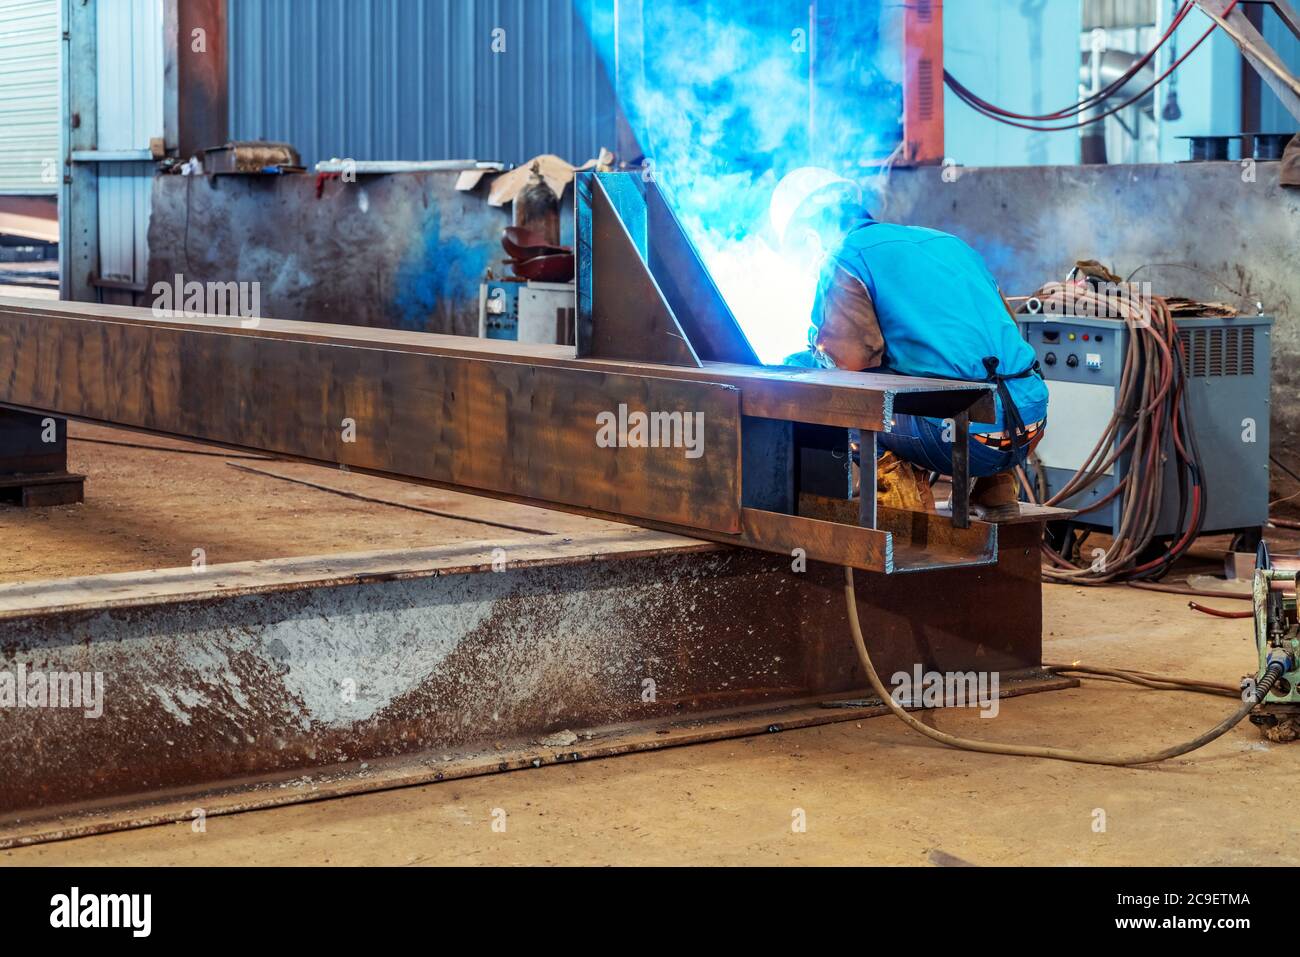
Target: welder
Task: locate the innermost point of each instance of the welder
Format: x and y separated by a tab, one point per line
919	302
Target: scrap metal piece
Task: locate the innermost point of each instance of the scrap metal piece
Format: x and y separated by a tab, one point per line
250	157
34	461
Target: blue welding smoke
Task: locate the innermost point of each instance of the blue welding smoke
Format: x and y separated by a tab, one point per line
726	96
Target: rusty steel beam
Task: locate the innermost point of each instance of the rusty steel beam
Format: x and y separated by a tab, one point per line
222	689
823	396
521	423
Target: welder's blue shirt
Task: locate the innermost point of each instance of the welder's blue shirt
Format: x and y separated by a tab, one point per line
940	311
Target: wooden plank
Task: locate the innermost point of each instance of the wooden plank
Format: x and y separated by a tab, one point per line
504	428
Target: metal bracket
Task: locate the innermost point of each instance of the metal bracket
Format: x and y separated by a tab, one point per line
643	293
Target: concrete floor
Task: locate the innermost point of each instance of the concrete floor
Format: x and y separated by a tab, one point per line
871	792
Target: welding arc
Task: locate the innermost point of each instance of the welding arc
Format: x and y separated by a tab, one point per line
1265	685
984	108
1150	406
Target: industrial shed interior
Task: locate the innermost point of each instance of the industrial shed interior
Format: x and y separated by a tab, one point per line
649	432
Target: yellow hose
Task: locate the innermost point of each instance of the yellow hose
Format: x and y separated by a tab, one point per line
1020	750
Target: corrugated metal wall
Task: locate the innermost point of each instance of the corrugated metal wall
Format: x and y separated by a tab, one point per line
418	79
129	113
29	96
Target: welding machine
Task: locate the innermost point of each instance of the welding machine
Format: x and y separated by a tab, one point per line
1277	638
1227	381
529	311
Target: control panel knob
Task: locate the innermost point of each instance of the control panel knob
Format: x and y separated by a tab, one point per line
1050	359
1072	360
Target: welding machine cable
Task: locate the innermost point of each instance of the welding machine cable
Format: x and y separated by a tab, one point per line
1151	411
1148	680
1275	671
1093	99
986	109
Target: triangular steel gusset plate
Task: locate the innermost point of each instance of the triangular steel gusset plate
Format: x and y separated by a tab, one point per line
643	293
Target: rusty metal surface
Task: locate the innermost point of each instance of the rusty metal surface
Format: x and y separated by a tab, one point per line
326	783
622	313
986	618
824	396
32	443
404	251
920	541
217	688
202	88
499	427
523	424
643	292
272	682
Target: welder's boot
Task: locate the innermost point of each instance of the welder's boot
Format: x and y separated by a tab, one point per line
996	498
902	485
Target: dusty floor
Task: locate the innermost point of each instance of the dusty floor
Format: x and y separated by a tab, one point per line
150	509
871	792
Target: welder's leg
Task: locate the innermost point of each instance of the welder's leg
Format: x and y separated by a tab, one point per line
927	445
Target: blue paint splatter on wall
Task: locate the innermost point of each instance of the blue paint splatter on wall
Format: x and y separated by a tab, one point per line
438	272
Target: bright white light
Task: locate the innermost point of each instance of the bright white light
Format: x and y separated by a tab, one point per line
771	295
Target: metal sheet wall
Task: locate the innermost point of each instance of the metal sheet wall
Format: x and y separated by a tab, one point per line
418	79
29	96
129	106
1273	116
129	73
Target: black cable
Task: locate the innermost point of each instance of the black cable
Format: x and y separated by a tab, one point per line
1274	459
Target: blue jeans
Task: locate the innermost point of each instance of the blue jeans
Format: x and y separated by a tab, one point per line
921	442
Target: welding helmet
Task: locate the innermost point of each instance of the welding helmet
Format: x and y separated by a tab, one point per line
804	193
